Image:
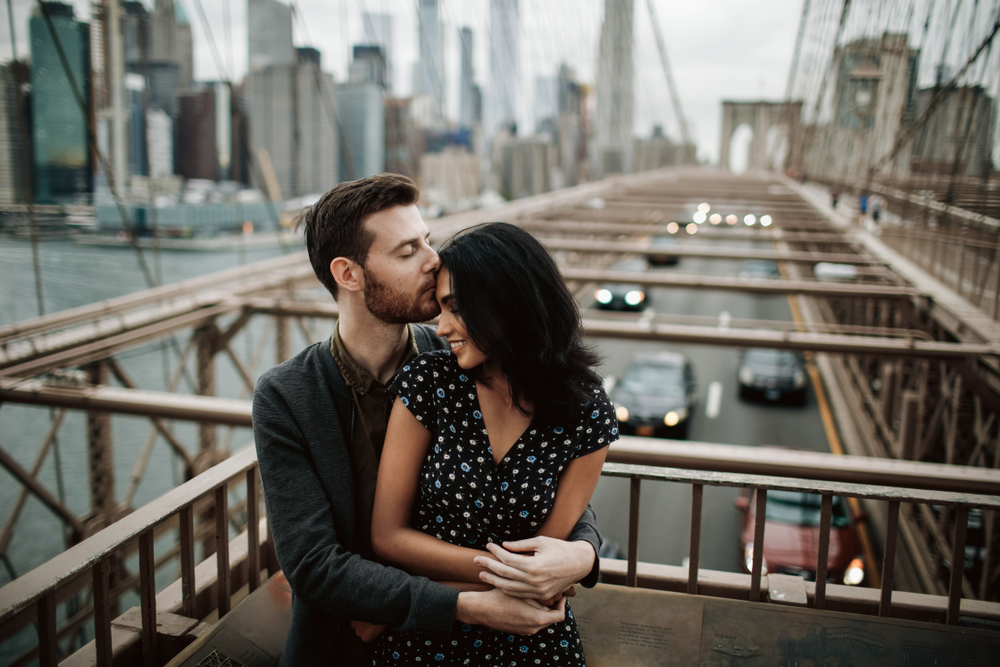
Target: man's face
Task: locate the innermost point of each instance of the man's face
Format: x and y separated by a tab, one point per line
400	270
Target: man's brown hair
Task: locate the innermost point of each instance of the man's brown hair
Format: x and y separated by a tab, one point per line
335	225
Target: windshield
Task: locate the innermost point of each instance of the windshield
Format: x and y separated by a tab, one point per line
770	357
654	380
802	509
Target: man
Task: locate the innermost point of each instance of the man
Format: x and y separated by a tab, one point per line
319	425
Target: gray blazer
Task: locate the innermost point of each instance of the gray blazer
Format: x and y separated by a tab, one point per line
300	411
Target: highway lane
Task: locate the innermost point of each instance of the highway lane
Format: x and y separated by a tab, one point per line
665	509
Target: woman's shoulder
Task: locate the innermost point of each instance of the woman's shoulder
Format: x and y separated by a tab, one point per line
433	366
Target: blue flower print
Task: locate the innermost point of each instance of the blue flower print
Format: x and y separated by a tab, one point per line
510	638
531	459
478	643
452	427
439	518
524	649
463	378
440	392
405	400
479	503
406	368
548	481
466	627
524	514
439	657
477	414
437	484
395	655
564	643
503	486
614	431
558	429
595	414
466	467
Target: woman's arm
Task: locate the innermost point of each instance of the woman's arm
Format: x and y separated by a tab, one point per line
393	539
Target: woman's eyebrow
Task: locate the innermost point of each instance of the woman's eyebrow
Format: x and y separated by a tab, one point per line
446	299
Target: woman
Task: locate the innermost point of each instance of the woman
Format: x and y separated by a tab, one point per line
501	438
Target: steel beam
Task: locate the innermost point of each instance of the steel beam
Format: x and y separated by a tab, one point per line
226	411
735	284
726	232
786	340
580	245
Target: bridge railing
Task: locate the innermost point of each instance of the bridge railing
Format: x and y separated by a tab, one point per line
209	586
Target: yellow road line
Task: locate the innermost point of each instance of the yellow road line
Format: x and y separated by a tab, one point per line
874	576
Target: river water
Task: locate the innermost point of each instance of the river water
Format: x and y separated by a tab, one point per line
75	275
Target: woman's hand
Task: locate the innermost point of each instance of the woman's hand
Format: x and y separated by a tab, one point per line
368	632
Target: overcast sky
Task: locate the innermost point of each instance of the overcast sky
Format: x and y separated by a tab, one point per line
719	49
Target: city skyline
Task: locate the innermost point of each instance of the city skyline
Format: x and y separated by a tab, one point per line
548	36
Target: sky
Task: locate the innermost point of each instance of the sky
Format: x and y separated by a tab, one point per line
718	49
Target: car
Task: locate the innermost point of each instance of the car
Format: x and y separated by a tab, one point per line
664	256
791	537
622	296
772	375
656	395
759	268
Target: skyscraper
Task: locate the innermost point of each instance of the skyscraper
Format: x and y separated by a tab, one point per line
368	65
613	149
170	40
62	162
15	149
269	34
466	83
316	168
428	75
502	106
377	31
361	113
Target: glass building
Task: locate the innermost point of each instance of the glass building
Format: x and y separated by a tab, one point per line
62	161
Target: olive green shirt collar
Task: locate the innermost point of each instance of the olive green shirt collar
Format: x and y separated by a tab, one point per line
359	379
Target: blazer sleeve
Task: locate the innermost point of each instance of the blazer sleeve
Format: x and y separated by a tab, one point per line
322	573
586	531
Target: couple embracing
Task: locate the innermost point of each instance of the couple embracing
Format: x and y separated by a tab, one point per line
428	489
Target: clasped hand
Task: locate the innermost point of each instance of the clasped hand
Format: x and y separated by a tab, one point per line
540	568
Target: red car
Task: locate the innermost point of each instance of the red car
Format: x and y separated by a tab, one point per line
791	537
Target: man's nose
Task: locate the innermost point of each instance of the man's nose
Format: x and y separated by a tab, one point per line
434	263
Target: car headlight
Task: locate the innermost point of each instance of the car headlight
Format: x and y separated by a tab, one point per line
675	417
855	573
603	296
634	298
746	375
748	560
800	379
622	413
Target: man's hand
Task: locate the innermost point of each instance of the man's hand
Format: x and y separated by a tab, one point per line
501	612
368	632
540	567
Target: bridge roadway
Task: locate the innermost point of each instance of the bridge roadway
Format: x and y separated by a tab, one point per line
615	218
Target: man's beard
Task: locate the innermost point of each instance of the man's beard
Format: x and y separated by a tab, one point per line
395	307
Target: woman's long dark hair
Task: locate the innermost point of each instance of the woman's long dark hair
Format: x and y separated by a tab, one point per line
518	311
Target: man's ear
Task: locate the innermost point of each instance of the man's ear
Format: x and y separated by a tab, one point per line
348	274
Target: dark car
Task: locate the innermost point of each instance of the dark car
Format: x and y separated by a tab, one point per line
664	245
772	375
791	537
656	395
622	296
759	269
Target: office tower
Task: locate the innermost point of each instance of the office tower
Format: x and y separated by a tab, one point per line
15	147
361	113
466	105
62	160
196	135
401	150
269	34
377	31
546	105
502	108
315	130
612	151
368	65
170	40
428	75
270	98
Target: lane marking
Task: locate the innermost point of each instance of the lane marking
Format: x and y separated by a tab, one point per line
714	400
872	565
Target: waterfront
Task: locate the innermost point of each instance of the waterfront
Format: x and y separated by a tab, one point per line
75	275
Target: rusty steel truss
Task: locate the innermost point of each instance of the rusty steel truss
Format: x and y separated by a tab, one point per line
910	364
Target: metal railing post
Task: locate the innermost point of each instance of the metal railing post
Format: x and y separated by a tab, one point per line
633	531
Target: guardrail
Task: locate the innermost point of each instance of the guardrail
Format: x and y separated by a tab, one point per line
34	597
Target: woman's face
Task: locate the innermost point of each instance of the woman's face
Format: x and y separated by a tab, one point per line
451	327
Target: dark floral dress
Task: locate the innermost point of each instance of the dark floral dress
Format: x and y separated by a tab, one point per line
468	499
